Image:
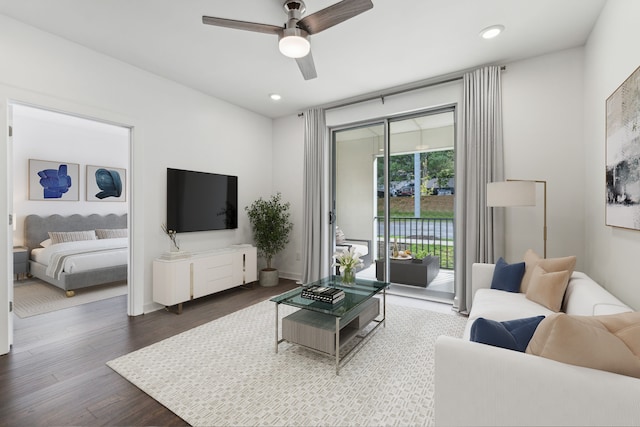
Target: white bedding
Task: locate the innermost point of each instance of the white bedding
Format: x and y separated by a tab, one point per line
86	261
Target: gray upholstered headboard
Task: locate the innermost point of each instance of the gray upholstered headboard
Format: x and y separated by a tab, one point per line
36	227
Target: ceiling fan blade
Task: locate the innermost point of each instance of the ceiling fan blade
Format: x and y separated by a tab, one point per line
333	15
242	25
307	67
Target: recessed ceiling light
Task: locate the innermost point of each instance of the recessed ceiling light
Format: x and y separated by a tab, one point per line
492	31
275	97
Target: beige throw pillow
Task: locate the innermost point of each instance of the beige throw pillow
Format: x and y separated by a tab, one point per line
550	265
609	343
548	288
111	233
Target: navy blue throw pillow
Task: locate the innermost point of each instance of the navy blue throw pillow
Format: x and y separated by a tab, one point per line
512	334
507	277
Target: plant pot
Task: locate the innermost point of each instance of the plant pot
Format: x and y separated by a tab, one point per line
269	277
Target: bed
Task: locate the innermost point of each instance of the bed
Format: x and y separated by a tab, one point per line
76	263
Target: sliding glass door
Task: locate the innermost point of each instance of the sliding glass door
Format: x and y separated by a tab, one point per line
394	192
357	190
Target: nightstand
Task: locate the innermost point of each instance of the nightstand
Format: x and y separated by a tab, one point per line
20	262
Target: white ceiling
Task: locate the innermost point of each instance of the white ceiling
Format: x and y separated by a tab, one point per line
398	42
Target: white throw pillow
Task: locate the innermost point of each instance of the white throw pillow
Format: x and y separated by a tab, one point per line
71	236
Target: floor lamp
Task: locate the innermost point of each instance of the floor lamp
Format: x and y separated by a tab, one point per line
516	192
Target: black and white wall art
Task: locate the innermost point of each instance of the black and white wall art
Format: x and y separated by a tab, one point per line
623	155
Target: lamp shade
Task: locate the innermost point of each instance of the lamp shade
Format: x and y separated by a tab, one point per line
511	193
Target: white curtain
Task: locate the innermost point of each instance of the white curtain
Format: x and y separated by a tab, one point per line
315	252
482	155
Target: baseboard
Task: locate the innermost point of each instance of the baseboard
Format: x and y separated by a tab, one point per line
291	276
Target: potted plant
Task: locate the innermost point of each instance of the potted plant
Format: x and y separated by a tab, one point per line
271	227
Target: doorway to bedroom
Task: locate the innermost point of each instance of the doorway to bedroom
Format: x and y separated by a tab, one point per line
68	165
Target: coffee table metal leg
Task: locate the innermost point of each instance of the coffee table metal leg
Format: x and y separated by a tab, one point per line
384	308
277	328
337	346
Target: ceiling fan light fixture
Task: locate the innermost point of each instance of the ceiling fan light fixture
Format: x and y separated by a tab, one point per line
294	43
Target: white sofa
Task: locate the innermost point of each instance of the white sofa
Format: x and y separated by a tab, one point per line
478	384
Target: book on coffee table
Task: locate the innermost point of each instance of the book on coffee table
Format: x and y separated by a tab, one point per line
323	293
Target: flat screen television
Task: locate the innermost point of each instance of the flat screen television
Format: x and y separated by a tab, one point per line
201	201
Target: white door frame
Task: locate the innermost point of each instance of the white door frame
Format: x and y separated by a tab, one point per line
11	95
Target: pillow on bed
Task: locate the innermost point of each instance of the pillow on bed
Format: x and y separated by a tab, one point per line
111	233
45	243
71	236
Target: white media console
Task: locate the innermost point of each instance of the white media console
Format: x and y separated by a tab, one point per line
203	273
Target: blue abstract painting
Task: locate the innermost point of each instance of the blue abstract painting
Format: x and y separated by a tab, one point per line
108	180
53	180
106	184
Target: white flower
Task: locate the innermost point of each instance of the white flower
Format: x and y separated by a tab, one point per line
348	258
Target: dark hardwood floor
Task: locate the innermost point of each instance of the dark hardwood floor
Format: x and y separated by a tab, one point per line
56	373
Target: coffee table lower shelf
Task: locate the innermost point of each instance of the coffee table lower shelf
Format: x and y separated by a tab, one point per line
325	333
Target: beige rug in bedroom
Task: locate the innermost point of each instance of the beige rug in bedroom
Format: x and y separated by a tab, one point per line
33	296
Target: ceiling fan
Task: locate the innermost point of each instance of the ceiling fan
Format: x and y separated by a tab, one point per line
294	36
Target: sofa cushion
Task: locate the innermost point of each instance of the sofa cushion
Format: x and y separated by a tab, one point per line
585	297
500	306
507	277
550	265
548	288
610	343
511	334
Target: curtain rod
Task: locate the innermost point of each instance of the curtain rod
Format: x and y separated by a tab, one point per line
434	81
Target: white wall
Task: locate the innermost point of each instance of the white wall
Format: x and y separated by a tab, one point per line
611	55
46	135
173	126
542	120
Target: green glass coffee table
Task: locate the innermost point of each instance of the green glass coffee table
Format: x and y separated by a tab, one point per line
325	327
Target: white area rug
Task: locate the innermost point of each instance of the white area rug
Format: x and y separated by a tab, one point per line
32	297
227	373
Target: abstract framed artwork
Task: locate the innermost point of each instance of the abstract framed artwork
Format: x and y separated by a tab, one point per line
106	184
623	155
50	180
